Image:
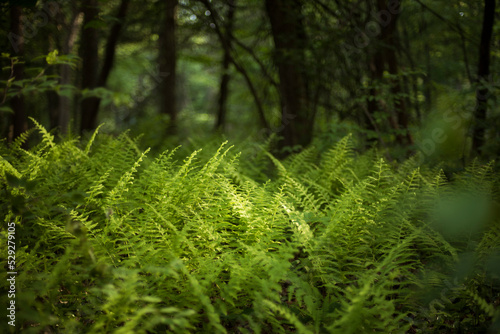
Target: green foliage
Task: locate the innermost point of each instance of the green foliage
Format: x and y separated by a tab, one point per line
37	81
111	240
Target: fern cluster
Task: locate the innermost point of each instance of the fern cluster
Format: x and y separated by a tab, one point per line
232	240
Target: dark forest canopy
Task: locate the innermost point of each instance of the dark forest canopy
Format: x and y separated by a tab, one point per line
406	76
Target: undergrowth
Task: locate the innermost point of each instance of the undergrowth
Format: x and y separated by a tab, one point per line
233	240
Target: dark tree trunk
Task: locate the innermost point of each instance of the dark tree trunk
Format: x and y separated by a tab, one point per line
401	122
224	84
64	109
483	74
412	81
167	61
290	42
385	57
19	119
227	46
64	105
376	67
427	82
111	43
109	58
90	63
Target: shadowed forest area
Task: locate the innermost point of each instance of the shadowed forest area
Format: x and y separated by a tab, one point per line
404	77
250	166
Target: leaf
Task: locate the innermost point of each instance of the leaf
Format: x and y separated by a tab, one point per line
151	299
14	181
6	109
52	57
100	92
66	92
95	24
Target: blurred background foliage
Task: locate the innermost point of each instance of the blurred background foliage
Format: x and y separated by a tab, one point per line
400	75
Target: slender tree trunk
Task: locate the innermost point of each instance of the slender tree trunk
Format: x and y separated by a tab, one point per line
483	74
64	106
167	61
290	41
427	79
227	46
64	109
224	84
109	58
385	57
114	35
464	51
19	119
400	117
413	80
401	112
90	63
376	67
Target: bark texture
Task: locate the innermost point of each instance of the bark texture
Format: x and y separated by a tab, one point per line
483	75
19	122
290	44
167	62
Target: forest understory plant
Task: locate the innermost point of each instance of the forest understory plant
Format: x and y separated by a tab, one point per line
110	239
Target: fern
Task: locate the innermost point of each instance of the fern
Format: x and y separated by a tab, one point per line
229	239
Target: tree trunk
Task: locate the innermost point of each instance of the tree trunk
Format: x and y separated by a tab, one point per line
19	122
385	57
224	93
109	57
167	61
483	75
412	81
290	42
90	63
427	82
64	109
114	34
399	105
376	67
227	46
